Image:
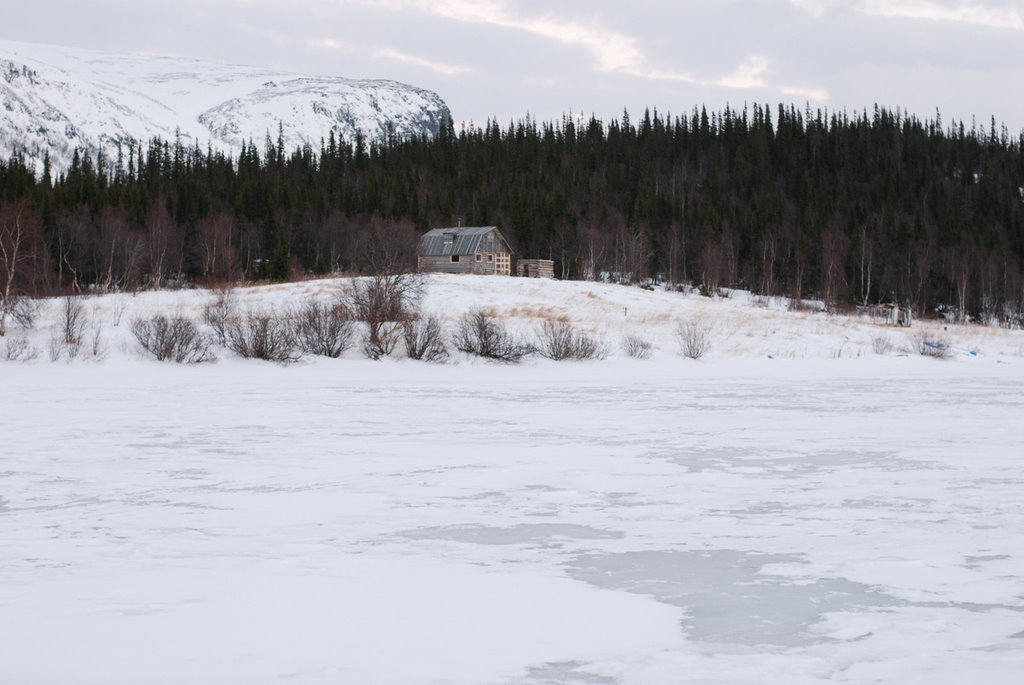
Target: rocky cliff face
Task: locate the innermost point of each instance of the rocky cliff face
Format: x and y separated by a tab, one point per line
56	100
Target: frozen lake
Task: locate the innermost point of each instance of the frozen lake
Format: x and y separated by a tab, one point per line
617	522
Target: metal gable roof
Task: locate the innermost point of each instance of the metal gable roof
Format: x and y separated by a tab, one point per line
464	240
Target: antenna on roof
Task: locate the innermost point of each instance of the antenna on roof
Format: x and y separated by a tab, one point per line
458	222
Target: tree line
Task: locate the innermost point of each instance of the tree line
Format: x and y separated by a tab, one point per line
870	207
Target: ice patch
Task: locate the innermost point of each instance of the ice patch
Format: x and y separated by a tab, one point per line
566	673
790	464
512	535
727	597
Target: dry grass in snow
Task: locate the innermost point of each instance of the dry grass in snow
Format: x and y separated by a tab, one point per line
623	318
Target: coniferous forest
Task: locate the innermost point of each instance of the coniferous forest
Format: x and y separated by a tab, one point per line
870	207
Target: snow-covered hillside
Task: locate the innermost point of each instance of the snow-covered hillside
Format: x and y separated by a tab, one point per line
58	99
801	505
737	327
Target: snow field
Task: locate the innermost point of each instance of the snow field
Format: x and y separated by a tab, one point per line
808	518
737	327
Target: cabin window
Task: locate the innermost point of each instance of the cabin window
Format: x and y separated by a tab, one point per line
455	258
490	258
478	258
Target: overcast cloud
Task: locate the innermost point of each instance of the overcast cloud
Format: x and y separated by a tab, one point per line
504	58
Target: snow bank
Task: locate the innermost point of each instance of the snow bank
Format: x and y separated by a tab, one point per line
737	327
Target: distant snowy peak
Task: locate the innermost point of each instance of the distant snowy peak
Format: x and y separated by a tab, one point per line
57	100
310	108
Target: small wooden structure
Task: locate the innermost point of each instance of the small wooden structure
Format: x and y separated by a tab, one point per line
464	250
888	314
535	268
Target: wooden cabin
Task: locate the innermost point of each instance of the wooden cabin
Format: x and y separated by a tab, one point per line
464	250
535	268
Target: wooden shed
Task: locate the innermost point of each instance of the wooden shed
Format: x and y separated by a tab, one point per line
888	314
464	250
535	268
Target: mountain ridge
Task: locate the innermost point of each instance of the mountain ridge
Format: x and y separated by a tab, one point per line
56	100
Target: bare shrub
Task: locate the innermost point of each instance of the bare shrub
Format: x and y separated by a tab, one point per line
694	338
844	351
380	338
55	348
19	350
424	339
61	348
390	297
933	344
263	335
22	310
72	320
97	345
120	305
637	347
177	339
69	337
882	345
384	302
323	329
480	333
220	313
560	340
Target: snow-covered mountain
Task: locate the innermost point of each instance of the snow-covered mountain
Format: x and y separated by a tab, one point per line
59	99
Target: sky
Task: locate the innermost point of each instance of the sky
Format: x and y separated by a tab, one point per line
504	59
